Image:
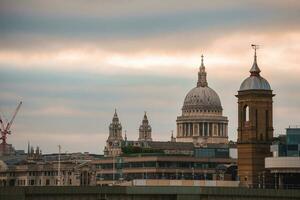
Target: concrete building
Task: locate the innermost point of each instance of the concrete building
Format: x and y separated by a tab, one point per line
35	169
285	162
112	170
255	127
39	174
202	121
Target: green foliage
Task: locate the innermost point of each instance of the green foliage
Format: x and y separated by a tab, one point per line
136	150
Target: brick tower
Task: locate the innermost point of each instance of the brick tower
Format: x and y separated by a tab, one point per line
255	127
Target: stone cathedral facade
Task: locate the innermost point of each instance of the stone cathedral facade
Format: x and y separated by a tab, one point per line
115	139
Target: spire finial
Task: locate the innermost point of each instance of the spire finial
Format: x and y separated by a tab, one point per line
202	82
255	69
115	117
145	120
173	139
254	46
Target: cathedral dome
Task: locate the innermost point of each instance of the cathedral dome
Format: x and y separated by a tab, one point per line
202	121
202	99
255	81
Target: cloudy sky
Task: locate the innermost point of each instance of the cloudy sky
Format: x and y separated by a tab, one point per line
73	62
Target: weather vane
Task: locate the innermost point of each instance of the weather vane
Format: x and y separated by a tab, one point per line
255	46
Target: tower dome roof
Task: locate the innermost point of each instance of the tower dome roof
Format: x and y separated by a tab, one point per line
255	81
202	97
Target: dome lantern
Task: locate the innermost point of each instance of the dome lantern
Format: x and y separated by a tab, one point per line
202	82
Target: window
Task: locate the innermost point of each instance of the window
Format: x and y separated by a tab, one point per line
246	113
267	124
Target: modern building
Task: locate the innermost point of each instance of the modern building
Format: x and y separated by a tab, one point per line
159	167
202	121
285	162
255	127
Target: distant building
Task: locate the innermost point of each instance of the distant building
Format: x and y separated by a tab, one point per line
6	149
145	130
255	127
285	163
202	121
43	170
34	155
114	141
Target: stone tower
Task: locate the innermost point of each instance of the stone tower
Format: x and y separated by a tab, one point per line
255	127
145	130
114	141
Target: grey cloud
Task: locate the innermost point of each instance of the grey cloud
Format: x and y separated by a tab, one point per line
36	30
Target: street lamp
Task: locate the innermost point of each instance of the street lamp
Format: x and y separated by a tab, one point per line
193	173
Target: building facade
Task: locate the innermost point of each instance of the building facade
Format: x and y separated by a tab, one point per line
202	121
160	167
40	174
255	126
284	165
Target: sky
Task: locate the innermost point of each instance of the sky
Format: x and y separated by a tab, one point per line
73	62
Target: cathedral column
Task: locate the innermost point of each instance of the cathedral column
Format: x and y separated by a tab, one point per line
213	129
222	129
187	129
208	129
195	129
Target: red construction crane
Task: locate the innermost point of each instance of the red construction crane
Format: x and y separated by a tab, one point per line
5	130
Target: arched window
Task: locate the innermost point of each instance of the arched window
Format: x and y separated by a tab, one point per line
246	113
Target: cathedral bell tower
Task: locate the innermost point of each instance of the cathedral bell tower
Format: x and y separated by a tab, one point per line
114	141
255	127
145	130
